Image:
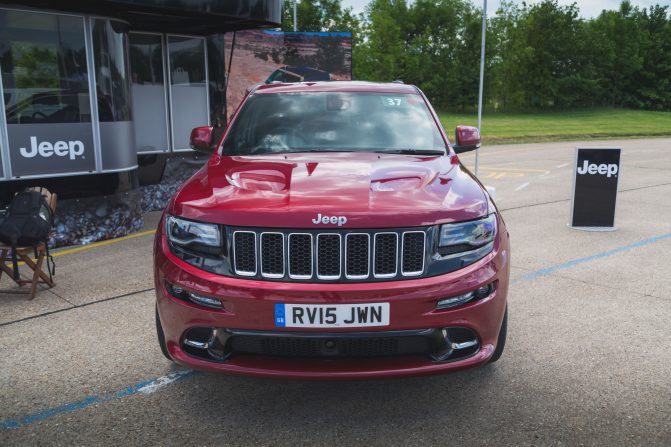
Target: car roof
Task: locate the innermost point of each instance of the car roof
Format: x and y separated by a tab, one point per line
337	86
301	70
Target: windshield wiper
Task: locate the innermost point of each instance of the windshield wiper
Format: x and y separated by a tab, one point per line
413	151
319	150
299	151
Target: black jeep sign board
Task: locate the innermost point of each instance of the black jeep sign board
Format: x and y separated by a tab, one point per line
595	178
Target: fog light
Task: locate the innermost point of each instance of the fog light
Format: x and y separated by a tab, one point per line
201	300
483	292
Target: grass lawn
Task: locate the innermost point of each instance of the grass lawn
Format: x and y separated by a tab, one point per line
563	125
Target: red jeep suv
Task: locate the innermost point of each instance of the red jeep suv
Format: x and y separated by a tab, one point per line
333	233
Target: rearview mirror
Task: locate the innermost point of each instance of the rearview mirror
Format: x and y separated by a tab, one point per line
201	139
467	138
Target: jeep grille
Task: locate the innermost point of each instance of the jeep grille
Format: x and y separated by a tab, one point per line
337	255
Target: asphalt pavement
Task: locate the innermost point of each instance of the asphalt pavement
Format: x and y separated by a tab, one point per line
588	358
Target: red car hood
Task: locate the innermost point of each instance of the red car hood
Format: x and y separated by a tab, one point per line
371	190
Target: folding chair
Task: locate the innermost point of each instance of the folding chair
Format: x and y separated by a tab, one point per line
24	256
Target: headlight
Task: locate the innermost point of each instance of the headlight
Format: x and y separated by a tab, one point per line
196	236
466	236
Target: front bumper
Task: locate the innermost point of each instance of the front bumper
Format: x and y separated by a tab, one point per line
249	307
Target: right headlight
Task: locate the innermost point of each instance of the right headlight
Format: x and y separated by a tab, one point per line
466	236
194	236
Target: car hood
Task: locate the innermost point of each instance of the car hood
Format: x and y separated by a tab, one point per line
371	190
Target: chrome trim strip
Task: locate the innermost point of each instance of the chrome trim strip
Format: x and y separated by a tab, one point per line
208	112
385	275
464	345
69	174
235	260
4	136
312	250
329	277
368	257
419	272
93	94
196	344
271	275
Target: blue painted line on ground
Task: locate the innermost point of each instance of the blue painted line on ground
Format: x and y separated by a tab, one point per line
8	424
603	254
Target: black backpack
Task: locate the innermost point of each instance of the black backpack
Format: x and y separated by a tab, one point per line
28	221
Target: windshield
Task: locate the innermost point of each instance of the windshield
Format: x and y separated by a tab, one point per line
326	121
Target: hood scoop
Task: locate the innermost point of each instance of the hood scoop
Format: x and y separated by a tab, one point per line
259	180
396	178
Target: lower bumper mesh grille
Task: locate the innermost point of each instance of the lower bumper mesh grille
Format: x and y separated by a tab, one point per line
439	345
329	347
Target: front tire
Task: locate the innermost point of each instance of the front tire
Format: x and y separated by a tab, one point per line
501	342
161	337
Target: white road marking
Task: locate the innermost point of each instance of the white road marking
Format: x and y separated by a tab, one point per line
162	382
561	165
522	186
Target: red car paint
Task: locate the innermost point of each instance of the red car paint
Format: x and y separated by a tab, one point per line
287	191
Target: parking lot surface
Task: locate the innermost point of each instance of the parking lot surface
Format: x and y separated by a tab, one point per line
588	358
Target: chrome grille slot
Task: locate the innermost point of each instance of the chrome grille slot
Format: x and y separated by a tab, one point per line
329	256
412	263
385	258
300	256
272	255
244	252
357	255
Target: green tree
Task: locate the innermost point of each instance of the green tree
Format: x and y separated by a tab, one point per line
381	56
620	40
318	15
653	81
433	44
539	55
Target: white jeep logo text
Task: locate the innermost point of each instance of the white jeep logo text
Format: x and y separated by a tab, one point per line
340	220
45	149
608	170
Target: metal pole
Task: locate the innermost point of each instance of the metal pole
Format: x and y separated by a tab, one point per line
482	77
295	17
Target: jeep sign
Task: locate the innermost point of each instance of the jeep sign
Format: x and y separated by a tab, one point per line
59	148
595	180
43	149
592	168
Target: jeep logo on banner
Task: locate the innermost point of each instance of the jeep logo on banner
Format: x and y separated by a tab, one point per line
59	149
43	149
596	175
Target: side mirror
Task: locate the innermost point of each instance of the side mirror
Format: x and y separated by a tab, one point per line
201	139
467	138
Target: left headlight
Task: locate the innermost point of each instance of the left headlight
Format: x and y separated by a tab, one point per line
194	236
465	236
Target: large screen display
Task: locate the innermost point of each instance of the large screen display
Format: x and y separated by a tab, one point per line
273	56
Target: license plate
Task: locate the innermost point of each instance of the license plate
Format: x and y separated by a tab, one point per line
332	315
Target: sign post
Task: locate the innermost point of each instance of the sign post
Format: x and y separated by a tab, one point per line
596	174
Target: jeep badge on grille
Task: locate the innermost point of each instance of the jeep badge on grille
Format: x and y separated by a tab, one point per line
340	220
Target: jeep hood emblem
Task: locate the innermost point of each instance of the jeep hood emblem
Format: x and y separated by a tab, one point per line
340	220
